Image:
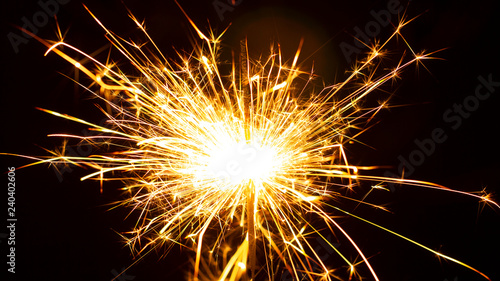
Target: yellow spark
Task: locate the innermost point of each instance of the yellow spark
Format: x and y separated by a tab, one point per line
242	265
279	86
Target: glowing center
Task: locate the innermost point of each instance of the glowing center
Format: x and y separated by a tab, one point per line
242	161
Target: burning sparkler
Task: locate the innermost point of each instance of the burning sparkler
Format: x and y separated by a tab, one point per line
244	158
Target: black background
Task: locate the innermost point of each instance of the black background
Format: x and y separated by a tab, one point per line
65	231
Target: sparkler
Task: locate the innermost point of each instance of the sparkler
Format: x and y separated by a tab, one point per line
250	158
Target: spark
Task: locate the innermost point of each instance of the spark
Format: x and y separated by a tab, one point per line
246	158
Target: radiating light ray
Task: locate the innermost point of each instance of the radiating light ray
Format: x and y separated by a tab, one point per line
245	158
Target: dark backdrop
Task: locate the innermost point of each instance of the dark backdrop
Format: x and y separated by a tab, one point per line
66	232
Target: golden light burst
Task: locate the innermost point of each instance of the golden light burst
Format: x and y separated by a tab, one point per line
237	166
